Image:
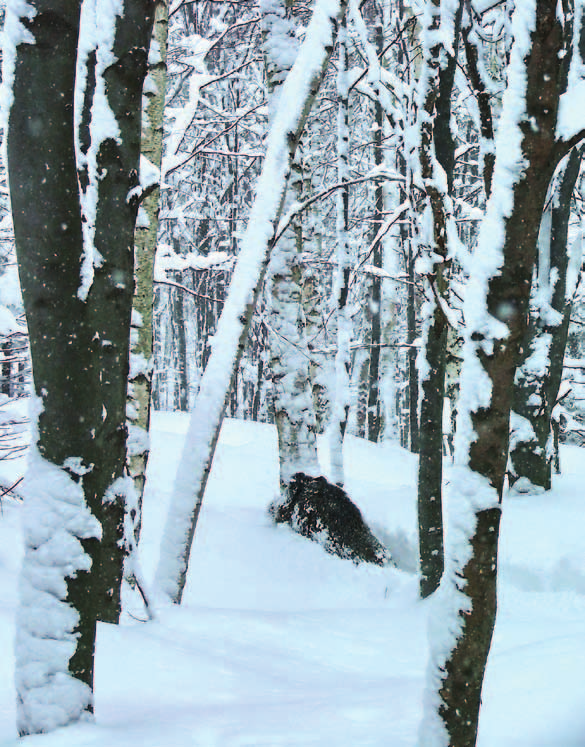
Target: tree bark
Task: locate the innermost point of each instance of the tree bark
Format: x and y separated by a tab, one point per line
341	286
436	143
145	241
536	390
79	343
111	295
290	359
373	409
43	173
413	429
496	330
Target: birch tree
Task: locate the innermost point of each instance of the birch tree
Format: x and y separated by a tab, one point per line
290	360
340	408
145	249
297	95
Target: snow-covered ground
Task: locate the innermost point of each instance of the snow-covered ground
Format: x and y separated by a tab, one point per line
279	644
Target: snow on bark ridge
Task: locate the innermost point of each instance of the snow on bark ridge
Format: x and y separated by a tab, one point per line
56	519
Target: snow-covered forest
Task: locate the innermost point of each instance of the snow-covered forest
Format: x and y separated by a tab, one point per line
291	369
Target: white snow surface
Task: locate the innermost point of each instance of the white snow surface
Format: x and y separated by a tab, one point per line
278	644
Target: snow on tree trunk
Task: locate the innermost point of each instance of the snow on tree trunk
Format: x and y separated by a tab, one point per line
78	316
440	43
290	359
340	408
539	376
297	96
145	248
113	198
496	308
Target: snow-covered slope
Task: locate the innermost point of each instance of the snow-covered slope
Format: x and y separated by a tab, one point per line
279	644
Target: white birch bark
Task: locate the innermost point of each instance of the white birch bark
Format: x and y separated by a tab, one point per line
289	352
340	409
298	93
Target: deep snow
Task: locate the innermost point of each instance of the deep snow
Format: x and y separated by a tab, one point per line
279	644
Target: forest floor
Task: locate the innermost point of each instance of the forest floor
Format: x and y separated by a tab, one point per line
278	644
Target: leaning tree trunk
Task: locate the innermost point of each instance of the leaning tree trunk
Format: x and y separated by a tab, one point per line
496	313
299	91
78	317
539	377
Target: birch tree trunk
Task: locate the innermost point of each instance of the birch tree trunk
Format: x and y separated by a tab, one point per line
340	409
290	360
297	96
145	241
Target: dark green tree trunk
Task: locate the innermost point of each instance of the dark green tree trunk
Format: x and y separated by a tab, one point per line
49	241
373	430
436	142
111	296
79	341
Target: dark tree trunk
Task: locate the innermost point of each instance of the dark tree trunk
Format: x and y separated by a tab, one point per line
436	134
79	348
180	384
535	395
43	174
498	355
483	97
111	296
7	355
373	431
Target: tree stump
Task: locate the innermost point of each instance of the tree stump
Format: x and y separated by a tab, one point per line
324	513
